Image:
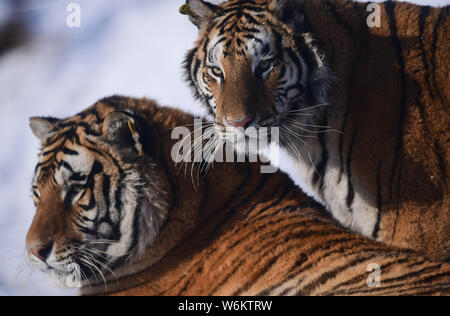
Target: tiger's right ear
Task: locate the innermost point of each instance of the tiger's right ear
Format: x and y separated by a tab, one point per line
289	11
123	133
43	127
199	11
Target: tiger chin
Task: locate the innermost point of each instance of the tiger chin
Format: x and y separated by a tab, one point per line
362	111
115	216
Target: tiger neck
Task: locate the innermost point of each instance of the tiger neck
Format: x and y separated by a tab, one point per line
327	21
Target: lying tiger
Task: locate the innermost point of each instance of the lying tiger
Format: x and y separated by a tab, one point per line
316	67
110	201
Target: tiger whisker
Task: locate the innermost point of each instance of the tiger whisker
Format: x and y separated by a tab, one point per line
188	137
88	262
212	151
196	145
200	153
104	241
102	265
219	144
310	108
296	152
293	148
300	126
83	275
91	251
307	125
295	135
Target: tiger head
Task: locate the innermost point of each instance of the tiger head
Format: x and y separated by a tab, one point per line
256	65
100	196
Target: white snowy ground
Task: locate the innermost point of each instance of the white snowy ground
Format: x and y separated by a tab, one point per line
132	47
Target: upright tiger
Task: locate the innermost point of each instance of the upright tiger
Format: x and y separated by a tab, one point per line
113	210
363	111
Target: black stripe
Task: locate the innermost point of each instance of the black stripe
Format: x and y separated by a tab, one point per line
264	270
379	203
418	273
363	44
278	40
341	142
390	10
434	48
266	199
424	12
321	166
64	164
92	203
288	224
265	251
340	20
106	189
77	177
385	267
286	190
251	19
69	152
350	189
299	267
325	277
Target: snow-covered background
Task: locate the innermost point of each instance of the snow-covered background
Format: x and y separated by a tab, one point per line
132	47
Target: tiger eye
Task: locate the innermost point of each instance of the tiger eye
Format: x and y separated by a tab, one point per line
217	71
265	65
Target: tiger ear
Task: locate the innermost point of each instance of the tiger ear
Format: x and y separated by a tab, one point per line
43	127
122	132
290	12
199	11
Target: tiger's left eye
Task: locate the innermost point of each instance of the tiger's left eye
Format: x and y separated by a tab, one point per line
265	65
217	71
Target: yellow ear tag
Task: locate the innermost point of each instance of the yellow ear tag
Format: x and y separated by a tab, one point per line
132	127
185	9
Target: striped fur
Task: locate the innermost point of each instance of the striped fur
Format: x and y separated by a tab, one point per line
385	173
239	232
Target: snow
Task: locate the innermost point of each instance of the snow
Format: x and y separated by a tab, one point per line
4	12
132	47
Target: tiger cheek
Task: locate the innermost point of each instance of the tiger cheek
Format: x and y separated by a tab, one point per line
216	91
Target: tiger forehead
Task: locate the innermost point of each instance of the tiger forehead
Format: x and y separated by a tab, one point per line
257	44
243	31
236	6
64	155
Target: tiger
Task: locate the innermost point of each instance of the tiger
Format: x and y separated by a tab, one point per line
362	111
114	211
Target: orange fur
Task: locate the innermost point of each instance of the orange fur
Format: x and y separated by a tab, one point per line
239	232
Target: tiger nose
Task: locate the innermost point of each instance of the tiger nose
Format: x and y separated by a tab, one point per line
42	252
243	123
